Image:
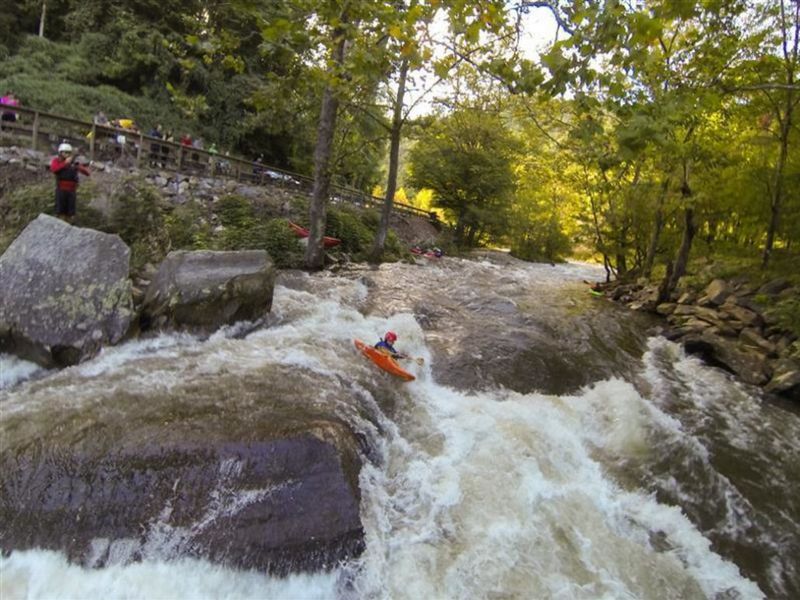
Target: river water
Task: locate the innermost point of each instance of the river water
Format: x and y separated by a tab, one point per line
552	446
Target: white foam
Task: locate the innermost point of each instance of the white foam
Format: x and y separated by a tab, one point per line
509	499
40	575
14	370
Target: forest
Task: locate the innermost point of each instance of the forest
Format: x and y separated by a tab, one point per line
650	135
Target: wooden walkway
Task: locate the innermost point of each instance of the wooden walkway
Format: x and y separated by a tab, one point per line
43	131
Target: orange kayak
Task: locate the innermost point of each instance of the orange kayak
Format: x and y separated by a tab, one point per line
302	232
384	361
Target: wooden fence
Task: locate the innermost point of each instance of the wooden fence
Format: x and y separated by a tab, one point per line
43	131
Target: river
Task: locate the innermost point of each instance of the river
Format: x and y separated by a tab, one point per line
552	445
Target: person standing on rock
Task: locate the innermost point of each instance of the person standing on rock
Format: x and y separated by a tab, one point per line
66	169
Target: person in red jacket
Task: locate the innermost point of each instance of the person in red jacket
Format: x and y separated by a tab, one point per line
66	169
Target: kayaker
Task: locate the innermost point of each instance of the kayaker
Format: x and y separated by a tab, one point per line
386	345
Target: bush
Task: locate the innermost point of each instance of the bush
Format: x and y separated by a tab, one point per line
188	229
136	216
21	206
282	244
786	313
235	211
347	225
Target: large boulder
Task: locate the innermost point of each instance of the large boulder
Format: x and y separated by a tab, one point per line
205	290
246	472
65	293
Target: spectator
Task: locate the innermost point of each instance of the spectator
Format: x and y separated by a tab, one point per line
66	168
186	140
9	116
100	119
155	149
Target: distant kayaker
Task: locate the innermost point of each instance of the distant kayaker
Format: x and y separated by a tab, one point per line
386	345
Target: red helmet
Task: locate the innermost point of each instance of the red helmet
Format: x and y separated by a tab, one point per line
390	337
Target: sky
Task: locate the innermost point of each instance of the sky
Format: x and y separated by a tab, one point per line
538	32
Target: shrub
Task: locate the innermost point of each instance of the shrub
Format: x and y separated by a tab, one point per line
282	244
786	313
235	211
187	228
21	206
347	225
136	216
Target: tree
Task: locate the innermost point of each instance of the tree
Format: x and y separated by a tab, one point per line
466	158
778	73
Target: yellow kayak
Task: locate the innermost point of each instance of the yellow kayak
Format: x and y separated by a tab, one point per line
384	361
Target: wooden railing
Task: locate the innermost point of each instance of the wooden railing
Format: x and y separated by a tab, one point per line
44	131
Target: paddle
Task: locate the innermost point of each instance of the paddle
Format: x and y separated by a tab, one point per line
419	360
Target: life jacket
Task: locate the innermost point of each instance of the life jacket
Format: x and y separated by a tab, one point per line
386	346
66	175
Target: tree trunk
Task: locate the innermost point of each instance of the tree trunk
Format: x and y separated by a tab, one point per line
790	45
777	188
41	20
658	227
682	259
315	252
394	159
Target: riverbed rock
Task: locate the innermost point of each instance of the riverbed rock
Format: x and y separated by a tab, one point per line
205	290
65	293
774	287
786	379
241	472
750	366
716	292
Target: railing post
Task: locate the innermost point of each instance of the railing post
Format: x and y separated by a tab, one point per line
92	139
139	151
180	157
35	134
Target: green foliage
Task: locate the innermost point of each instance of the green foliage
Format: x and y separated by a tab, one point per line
235	212
21	206
188	228
243	230
356	235
466	159
136	216
786	314
282	244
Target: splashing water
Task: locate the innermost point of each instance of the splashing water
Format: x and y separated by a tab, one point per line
621	488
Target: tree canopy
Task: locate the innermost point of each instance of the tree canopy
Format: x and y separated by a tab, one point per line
642	134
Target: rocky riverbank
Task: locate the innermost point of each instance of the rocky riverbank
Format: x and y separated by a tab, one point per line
733	324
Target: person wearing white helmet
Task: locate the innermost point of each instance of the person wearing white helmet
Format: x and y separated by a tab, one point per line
66	169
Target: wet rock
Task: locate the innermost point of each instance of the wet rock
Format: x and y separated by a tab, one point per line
746	316
774	287
717	291
666	308
277	505
65	293
206	290
751	367
786	379
687	298
752	337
